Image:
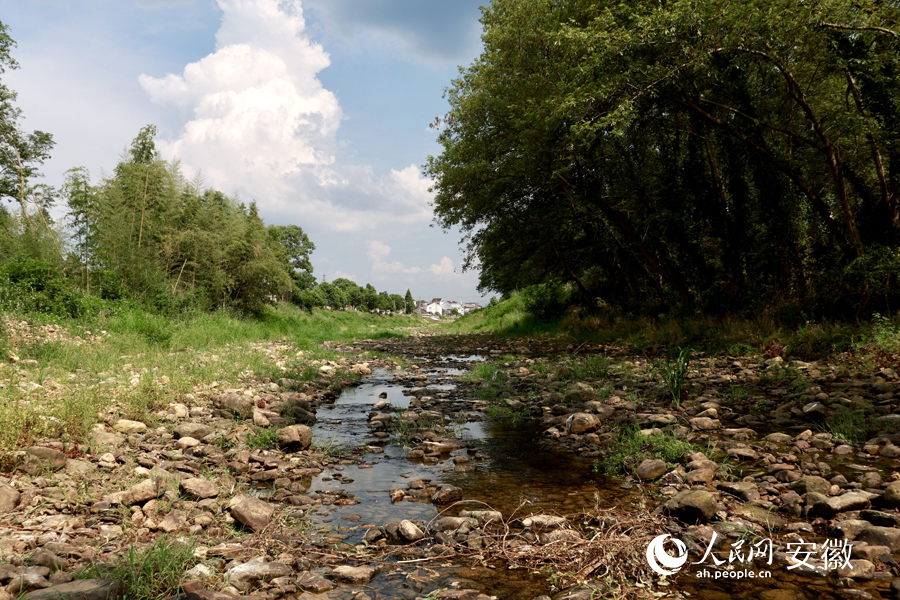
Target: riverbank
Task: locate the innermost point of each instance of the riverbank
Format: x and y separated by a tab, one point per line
428	465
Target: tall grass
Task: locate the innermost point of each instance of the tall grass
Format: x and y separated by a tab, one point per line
144	361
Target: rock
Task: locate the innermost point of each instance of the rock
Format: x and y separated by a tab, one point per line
143	491
251	512
890	451
891	495
446	494
692	506
198	431
79	467
254	570
173	521
650	469
743	453
858	569
242	406
260	419
745	490
27	580
542	522
410	531
80	589
705	424
815	411
454	523
313	583
198	488
850	528
356	575
299	436
106	439
701	476
128	427
779	438
811	483
837	504
44	558
298	412
187	442
50	458
881	536
9	498
580	423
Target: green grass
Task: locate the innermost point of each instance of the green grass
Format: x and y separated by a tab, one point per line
847	425
150	574
630	447
145	361
262	438
500	411
674	374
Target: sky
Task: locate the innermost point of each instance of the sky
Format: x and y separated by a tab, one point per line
316	109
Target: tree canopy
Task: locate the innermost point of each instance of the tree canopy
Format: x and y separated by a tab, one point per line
715	155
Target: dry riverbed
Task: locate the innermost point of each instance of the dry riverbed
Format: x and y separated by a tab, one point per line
756	448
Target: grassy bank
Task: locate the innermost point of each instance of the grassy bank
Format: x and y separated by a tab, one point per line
878	339
58	378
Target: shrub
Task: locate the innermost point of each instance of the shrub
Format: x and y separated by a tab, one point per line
545	300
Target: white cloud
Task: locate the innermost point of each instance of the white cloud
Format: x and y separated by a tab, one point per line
445	270
263	125
341	275
378	253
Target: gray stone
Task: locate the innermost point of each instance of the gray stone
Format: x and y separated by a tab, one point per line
891	495
580	423
650	469
692	506
837	504
858	569
253	571
745	490
811	484
9	498
705	424
173	521
743	453
106	439
446	494
80	589
50	458
299	436
251	512
356	575
128	427
196	487
240	405
881	536
410	531
145	490
195	430
454	523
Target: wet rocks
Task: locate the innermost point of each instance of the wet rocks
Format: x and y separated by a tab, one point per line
829	507
446	494
356	575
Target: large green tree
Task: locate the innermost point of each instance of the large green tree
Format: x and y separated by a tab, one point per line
716	154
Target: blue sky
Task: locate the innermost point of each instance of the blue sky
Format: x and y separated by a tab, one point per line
316	109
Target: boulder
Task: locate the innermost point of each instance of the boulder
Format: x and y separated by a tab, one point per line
850	501
356	575
48	458
446	494
9	498
881	536
251	512
891	495
80	589
692	506
238	404
253	571
198	431
198	488
650	469
410	531
580	423
296	436
145	490
128	427
811	483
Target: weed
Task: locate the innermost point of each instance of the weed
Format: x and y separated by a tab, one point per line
595	366
329	447
847	425
500	411
263	438
631	447
150	574
674	374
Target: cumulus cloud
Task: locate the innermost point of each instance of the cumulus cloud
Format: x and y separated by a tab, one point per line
444	270
263	125
378	253
341	275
